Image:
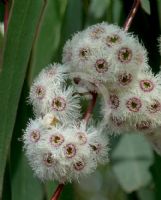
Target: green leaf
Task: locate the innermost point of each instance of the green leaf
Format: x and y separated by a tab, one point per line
21	31
68	192
70	24
117	11
24	184
132	158
98	7
50	187
145	4
6	195
112	187
48	36
159	12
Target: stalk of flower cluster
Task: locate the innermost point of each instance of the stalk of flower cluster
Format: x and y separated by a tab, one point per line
57	192
6	15
131	15
90	108
92	104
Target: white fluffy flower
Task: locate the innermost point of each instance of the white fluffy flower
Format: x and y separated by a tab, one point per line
116	125
46	83
82	167
42	162
64	104
123	81
40	93
99	65
49	95
33	133
64	153
103	51
54	73
136	109
110	35
49	120
130	56
99	146
149	84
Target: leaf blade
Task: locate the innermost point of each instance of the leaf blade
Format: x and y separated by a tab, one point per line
131	167
48	36
145	4
14	68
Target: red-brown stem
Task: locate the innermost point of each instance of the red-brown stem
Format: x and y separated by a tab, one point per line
6	15
57	192
90	108
131	15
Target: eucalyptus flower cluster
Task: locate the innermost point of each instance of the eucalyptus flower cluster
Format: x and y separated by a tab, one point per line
105	60
116	60
57	142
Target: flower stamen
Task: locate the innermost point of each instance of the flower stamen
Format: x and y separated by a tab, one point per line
40	92
125	55
48	159
82	137
134	104
146	85
112	40
114	101
35	135
84	53
58	104
70	150
56	139
79	165
101	65
124	79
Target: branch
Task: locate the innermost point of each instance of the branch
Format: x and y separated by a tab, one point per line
131	15
6	15
57	192
90	108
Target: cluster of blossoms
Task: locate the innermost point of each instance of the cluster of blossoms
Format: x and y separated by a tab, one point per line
111	58
58	144
102	59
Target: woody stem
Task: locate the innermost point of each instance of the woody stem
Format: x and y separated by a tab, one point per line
57	192
6	15
90	108
131	15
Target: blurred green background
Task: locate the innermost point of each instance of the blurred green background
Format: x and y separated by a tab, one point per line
36	34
